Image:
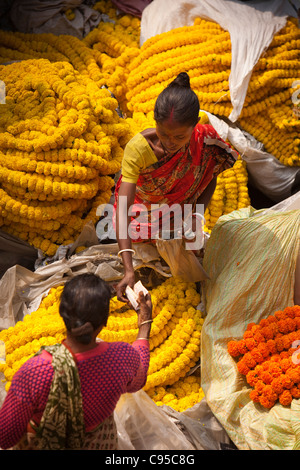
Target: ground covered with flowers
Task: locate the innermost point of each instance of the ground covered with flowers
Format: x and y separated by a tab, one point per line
268	356
174	339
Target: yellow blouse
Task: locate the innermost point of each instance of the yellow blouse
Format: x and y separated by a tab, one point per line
138	155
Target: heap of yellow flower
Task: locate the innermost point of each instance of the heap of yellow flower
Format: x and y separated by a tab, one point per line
174	339
231	193
185	393
114	44
126	26
268	113
43	327
204	51
60	138
103	55
175	332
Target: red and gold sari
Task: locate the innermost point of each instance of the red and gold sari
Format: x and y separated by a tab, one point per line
177	179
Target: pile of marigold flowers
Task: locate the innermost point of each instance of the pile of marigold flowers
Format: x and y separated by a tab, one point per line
103	55
203	50
60	140
174	339
61	135
185	393
268	357
231	193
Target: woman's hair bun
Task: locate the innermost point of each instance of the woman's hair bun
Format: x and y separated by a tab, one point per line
181	80
178	102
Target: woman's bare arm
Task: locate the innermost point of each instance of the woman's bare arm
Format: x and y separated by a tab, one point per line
125	201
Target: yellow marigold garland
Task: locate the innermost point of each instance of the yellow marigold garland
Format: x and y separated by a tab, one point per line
174	339
114	45
231	193
268	108
183	394
103	55
60	139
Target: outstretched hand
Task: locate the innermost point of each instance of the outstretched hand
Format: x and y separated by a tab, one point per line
145	310
128	280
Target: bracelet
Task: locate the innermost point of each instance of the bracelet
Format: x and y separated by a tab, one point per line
126	249
147	339
197	214
146	321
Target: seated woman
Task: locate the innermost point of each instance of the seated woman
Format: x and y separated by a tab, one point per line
176	163
64	397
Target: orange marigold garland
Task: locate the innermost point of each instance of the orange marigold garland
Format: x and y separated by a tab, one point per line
268	357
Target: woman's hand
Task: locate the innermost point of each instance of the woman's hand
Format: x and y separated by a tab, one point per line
127	193
128	280
145	310
144	316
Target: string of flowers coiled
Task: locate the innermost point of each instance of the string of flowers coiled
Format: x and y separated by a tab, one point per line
231	193
268	357
174	339
60	139
103	55
204	51
183	394
114	44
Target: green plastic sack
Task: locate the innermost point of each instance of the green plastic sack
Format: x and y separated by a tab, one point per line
250	259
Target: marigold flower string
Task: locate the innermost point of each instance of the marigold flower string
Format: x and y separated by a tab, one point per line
231	193
60	138
267	356
267	113
183	394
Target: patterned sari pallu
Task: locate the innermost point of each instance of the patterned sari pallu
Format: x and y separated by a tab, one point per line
62	424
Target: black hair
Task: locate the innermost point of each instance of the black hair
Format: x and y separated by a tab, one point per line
178	102
84	305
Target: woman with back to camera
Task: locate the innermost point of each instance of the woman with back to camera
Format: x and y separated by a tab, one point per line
64	397
175	163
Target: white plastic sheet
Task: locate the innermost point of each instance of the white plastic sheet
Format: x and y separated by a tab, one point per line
251	25
142	425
